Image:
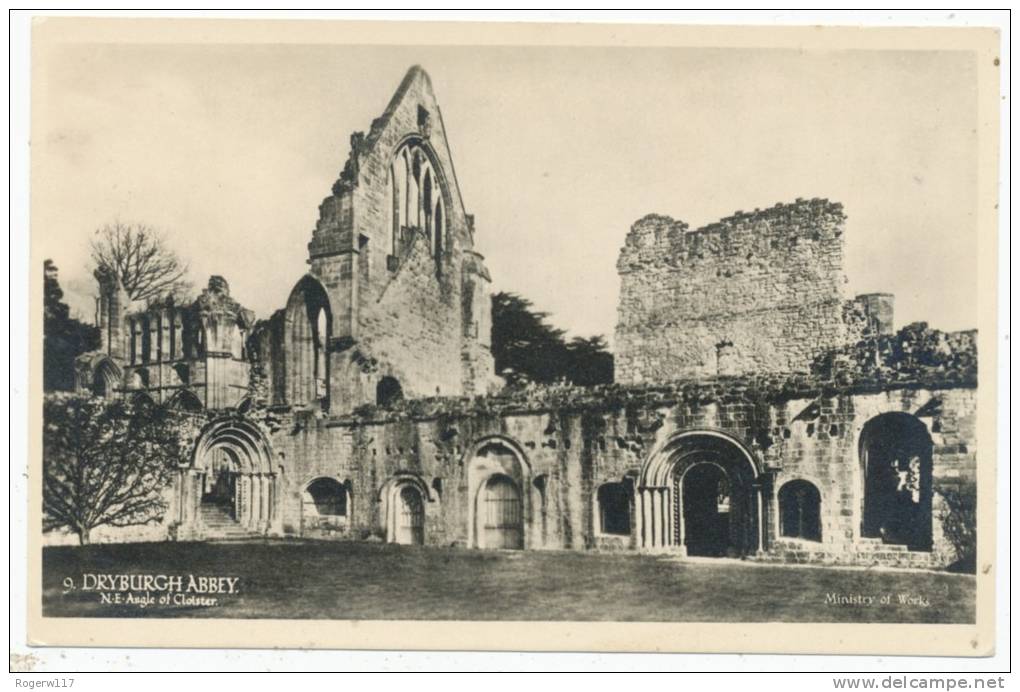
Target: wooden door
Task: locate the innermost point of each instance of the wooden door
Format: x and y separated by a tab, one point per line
501	511
410	529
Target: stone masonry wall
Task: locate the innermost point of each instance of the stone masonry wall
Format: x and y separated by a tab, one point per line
572	446
760	291
400	307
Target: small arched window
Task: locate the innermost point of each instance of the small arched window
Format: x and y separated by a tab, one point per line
800	511
388	392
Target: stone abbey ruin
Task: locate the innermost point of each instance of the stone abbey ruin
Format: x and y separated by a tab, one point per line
757	411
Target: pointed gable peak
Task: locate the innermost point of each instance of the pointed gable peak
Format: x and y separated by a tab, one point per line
414	73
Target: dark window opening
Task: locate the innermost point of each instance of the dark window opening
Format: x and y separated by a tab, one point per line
614	509
388	392
146	341
800	511
326	497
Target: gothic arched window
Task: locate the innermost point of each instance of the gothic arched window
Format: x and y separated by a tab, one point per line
416	197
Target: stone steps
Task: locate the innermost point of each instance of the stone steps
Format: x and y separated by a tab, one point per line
217	523
867	552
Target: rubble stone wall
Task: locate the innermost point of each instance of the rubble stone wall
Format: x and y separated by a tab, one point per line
759	291
570	446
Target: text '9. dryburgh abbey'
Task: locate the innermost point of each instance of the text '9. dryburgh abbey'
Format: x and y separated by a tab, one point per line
757	410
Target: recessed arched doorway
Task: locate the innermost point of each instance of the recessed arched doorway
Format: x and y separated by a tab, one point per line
706	508
896	470
410	516
229	488
404	499
499	514
700	493
504	496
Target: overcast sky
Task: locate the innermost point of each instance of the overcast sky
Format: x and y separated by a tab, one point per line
230	150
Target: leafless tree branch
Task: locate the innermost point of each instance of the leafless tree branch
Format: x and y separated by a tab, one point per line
141	258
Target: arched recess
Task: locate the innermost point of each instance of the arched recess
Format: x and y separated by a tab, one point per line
800	505
185	400
142	400
230	485
896	477
325	505
105	378
716	509
403	499
309	328
388	391
500	512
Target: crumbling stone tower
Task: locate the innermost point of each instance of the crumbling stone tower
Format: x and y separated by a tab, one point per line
395	302
755	292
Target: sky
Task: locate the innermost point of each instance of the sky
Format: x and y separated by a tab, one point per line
229	149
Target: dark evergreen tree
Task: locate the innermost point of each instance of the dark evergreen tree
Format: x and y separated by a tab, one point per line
528	349
64	338
589	361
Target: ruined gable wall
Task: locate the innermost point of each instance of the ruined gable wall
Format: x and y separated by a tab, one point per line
403	310
755	291
410	305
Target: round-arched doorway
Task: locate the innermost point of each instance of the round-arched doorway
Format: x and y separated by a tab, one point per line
404	499
230	488
501	524
896	470
410	516
503	496
700	494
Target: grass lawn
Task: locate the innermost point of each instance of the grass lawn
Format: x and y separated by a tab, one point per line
337	580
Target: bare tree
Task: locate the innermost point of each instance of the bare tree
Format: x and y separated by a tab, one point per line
108	462
141	258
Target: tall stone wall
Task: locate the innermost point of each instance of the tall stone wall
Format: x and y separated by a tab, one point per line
760	291
576	441
402	291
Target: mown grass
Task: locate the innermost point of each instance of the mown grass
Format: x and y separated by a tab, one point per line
303	579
